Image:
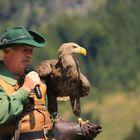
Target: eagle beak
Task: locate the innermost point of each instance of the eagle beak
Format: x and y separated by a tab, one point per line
80	50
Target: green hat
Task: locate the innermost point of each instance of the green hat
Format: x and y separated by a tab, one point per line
20	36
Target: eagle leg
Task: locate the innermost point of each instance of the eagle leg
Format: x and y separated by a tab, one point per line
76	107
75	104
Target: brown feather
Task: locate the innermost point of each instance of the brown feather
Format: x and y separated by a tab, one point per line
63	78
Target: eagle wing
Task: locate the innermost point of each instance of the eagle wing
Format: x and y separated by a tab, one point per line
84	85
45	68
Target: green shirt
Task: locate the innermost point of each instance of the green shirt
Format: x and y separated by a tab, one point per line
10	106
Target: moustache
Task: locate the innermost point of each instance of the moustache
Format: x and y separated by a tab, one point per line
26	60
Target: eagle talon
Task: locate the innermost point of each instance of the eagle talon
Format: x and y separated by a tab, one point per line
81	122
56	117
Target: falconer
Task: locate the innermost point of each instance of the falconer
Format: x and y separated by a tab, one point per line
21	112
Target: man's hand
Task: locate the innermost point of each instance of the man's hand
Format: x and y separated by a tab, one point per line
31	80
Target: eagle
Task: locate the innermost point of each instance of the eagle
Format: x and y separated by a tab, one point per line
64	78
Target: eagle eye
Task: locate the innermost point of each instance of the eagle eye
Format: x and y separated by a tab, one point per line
74	46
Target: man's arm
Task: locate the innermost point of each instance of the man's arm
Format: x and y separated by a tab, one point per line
11	106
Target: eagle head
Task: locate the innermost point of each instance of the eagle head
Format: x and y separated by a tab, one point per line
71	49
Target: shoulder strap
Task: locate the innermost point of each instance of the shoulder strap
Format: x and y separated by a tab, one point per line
7	87
16	134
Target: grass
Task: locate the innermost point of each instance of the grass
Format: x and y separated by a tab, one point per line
118	114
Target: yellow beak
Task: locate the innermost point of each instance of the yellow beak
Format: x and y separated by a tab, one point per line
80	50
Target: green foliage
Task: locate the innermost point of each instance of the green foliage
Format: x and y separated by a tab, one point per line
109	31
111	40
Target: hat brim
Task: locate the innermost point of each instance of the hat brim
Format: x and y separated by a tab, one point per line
37	41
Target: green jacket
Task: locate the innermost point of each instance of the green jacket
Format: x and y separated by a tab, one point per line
10	105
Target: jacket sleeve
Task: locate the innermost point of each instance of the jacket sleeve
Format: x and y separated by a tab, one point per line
11	106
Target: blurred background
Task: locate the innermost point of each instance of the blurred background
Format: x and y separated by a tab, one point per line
110	31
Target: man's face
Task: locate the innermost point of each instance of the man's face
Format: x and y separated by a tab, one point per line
17	58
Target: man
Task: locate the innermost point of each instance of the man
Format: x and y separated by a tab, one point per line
22	115
19	103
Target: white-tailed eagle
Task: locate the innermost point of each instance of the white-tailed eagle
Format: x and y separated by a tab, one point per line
64	78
